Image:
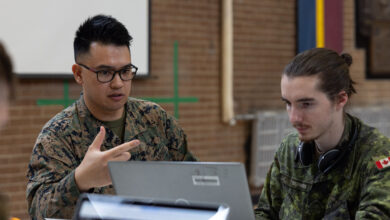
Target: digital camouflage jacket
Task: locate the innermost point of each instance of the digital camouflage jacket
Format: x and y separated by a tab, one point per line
64	140
354	189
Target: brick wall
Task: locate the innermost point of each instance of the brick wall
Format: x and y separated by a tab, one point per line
264	42
372	91
264	37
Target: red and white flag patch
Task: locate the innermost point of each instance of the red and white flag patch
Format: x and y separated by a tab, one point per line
383	163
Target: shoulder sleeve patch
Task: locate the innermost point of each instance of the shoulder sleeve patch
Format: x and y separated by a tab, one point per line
383	163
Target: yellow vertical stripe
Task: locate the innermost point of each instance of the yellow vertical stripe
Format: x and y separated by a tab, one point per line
320	23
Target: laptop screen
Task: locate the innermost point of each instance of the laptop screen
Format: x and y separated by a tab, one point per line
186	182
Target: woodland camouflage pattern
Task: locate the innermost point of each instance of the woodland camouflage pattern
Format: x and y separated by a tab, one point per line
64	140
354	189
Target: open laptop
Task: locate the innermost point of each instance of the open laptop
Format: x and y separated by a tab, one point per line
110	207
185	182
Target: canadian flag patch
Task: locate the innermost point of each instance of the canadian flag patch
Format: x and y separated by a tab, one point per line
383	163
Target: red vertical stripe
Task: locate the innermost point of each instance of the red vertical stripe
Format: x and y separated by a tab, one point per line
334	25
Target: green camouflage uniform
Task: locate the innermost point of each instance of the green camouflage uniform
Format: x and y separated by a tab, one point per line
64	140
354	189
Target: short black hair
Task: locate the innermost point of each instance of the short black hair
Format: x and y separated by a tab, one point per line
100	28
6	72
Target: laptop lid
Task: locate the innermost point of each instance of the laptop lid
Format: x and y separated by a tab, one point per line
185	182
110	207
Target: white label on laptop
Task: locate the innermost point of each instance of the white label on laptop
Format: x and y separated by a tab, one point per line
205	180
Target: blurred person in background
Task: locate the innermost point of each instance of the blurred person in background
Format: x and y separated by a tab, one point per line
6	87
6	84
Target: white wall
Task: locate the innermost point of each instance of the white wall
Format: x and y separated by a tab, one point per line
39	34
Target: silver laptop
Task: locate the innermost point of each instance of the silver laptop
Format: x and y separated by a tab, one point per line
185	182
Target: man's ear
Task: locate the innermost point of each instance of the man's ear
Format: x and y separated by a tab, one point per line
76	69
341	100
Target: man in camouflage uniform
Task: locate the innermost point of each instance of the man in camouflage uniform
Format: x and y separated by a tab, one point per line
71	153
334	166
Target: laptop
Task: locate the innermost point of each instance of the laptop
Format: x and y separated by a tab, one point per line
110	207
185	182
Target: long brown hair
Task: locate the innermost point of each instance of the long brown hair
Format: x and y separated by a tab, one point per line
332	69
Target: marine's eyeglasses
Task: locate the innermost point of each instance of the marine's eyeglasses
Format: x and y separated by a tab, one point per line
126	73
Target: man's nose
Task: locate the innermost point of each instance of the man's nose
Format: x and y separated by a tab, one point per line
117	82
294	115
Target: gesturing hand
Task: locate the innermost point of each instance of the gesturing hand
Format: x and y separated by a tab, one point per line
93	170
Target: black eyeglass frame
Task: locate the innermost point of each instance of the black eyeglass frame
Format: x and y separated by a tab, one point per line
113	75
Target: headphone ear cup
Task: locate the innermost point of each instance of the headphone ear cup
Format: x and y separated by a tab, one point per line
305	153
328	160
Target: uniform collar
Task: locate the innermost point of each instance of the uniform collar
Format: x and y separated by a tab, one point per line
140	117
345	166
352	128
91	126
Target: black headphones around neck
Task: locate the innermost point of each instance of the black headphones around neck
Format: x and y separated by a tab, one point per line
329	159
